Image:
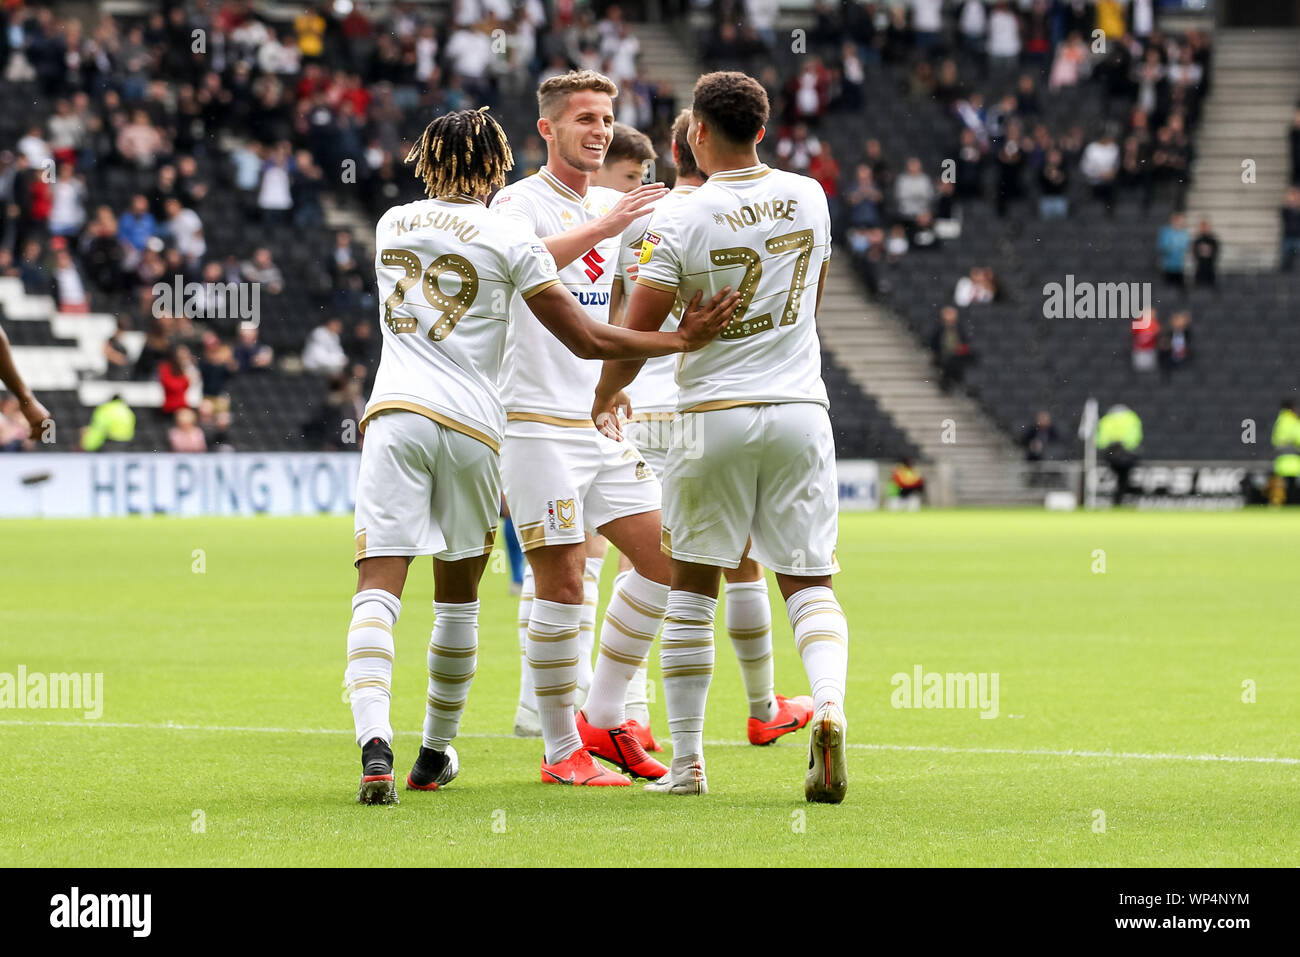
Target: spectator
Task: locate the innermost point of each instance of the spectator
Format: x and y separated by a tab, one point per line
977	287
1070	65
71	289
826	171
1053	188
67	203
139	142
972	25
112	422
1173	349
1290	227
275	194
1100	166
177	374
1003	39
951	347
796	149
1145	334
1205	249
1286	450
185	435
913	191
262	269
323	354
1172	248
1041	440
185	230
864	200
37	279
216	366
251	355
116	355
137	226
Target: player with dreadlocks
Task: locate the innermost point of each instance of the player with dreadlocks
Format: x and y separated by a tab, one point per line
447	269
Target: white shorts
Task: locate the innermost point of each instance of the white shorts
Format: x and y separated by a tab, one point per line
425	489
561	482
652	437
760	471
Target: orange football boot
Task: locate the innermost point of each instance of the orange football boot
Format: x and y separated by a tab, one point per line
644	735
791	715
581	770
619	746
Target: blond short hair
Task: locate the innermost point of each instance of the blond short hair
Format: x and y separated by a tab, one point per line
553	95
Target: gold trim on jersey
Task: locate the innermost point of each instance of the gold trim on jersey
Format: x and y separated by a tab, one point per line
540	287
398	405
655	284
360	552
652	417
742	175
684	189
460	200
550	420
553	181
719	404
531	535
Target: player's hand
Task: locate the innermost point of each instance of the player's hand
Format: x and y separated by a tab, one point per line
37	417
702	323
634	204
605	413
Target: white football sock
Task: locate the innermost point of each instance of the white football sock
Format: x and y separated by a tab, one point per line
636	706
553	658
749	625
587	629
370	662
526	698
453	655
686	657
821	633
635	612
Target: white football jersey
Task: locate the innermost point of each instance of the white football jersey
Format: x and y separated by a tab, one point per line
655	387
540	377
764	233
447	270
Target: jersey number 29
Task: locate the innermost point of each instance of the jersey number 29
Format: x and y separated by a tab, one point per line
452	307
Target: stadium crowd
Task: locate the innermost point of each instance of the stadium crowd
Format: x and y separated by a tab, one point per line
217	107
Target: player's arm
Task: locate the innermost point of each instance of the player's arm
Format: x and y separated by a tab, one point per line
616	302
821	287
647	309
557	310
570	244
35	413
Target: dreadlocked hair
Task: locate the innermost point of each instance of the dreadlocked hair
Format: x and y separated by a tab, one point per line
462	153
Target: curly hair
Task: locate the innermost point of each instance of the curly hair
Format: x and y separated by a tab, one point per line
733	104
462	153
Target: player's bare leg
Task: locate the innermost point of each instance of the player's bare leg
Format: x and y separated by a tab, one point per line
632	619
452	658
686	658
821	634
749	626
375	609
553	657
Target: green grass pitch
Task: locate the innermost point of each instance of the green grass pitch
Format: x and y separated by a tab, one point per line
1120	694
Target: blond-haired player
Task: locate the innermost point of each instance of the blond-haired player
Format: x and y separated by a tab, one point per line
760	461
562	477
428	484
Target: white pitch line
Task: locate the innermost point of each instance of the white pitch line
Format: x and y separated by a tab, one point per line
917	748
